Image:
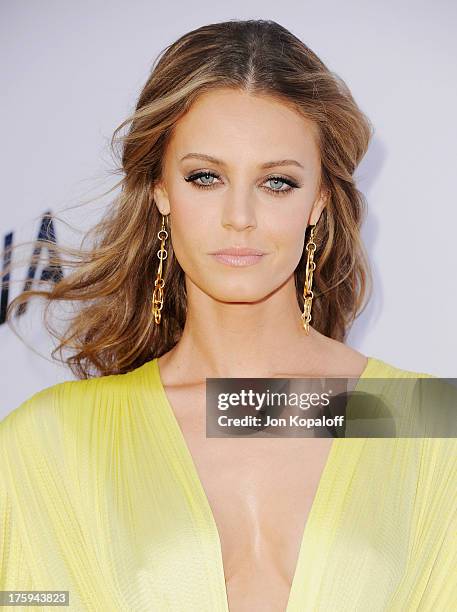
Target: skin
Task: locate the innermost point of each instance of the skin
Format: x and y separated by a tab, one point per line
244	321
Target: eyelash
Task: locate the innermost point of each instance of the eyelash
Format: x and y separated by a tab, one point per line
292	184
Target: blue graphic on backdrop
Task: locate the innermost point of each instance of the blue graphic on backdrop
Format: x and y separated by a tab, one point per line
51	272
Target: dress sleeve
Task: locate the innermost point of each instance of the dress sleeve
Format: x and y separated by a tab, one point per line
14	572
437	533
438	517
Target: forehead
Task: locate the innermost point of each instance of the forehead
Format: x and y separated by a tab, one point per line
226	121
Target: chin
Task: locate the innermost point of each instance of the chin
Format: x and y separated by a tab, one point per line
244	294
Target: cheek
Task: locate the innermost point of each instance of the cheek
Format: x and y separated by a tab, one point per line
288	237
188	231
187	211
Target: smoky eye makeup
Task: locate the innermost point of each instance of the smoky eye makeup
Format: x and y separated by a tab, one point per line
286	184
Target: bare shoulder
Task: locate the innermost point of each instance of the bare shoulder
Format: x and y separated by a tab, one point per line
339	359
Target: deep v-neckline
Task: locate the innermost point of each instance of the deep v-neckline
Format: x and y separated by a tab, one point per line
192	472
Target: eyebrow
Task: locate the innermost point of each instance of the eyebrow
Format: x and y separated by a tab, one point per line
269	164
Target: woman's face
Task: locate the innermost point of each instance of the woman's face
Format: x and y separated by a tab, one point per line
240	170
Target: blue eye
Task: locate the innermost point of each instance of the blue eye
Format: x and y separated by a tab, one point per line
278	179
206	175
201	175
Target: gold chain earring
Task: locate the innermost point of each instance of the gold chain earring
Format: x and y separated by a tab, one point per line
307	291
157	298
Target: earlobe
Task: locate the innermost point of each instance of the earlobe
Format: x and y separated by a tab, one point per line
161	199
319	207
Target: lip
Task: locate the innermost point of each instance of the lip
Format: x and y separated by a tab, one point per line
237	260
238	252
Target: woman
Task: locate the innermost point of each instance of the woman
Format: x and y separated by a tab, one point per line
233	251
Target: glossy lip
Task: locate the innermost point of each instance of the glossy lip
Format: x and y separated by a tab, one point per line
238	252
237	260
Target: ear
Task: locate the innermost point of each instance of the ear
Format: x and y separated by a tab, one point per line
161	199
319	206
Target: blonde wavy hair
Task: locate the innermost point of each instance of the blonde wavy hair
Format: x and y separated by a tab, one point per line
112	330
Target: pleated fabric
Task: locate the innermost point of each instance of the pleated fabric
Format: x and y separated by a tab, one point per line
99	496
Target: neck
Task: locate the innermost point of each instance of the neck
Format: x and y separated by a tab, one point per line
256	339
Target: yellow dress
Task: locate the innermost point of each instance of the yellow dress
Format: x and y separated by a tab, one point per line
99	495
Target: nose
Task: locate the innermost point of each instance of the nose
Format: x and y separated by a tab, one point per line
238	211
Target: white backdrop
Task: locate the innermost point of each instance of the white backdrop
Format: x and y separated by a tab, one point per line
72	72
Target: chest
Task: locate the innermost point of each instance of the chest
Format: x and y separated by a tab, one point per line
260	491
